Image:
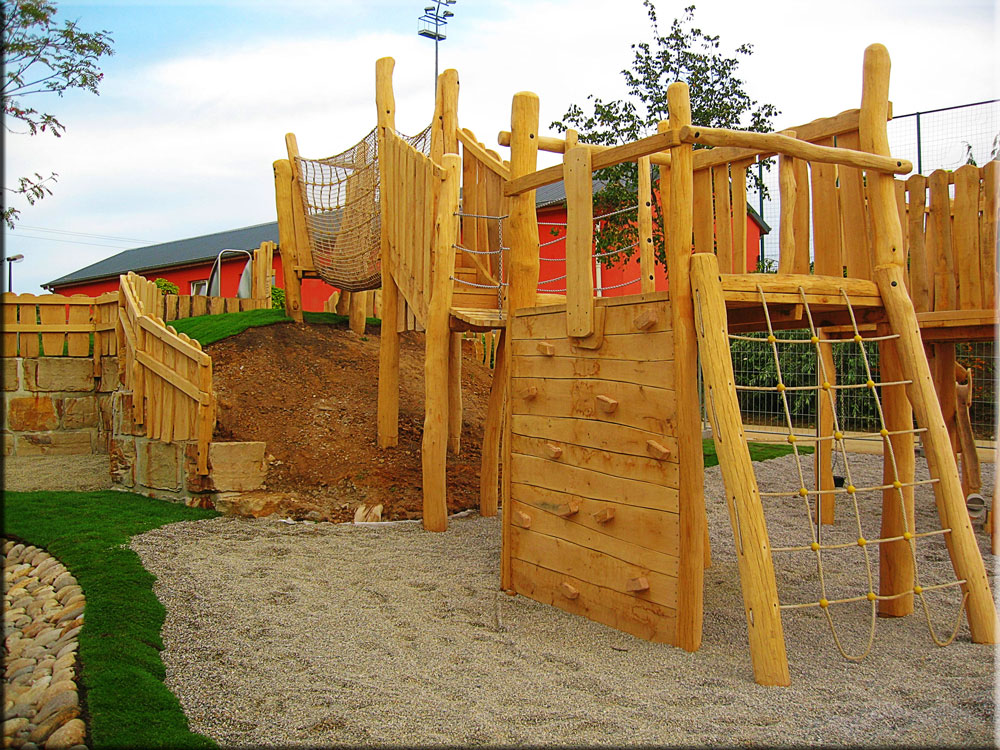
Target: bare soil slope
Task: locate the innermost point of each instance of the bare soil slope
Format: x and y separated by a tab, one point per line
310	391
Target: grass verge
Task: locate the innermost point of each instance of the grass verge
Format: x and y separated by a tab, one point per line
758	451
207	329
121	670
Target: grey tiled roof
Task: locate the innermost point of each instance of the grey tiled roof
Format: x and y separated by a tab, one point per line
192	250
171	254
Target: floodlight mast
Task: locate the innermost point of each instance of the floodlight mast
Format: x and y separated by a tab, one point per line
433	21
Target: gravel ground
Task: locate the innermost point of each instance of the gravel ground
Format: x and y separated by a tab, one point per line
308	634
56	473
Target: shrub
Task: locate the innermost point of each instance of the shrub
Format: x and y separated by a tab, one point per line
167	287
277	298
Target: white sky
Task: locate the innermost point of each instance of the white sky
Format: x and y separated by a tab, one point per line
198	97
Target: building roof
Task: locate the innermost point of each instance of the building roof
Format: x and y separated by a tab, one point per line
192	250
205	248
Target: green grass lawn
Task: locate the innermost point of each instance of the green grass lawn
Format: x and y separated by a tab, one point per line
207	329
122	673
758	451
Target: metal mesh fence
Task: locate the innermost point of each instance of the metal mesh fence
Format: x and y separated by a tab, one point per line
938	139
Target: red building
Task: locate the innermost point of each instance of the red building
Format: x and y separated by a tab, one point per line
188	262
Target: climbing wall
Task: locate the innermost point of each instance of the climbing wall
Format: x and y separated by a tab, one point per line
592	526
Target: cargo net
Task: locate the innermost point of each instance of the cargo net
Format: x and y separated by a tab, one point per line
340	195
844	553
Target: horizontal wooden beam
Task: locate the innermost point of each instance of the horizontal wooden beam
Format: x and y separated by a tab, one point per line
607	157
173	378
783	144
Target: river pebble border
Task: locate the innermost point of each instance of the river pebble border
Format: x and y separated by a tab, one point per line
42	615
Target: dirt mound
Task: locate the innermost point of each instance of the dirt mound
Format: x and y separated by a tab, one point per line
310	392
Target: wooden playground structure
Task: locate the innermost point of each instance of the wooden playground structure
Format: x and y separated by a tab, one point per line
595	413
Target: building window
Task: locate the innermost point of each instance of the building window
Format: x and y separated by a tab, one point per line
199	287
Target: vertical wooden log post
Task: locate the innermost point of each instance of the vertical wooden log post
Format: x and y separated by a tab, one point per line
522	276
787	194
359	300
300	246
753	549
446	127
895	558
434	448
647	261
578	179
691	501
387	412
283	185
889	257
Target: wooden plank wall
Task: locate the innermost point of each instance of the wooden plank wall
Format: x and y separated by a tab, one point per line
950	223
168	373
412	183
483	177
593	517
52	325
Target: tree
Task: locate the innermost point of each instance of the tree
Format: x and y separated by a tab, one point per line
718	99
42	56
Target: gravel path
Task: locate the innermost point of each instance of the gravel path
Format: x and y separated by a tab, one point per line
307	634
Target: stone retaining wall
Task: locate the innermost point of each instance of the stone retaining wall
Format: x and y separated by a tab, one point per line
56	405
170	470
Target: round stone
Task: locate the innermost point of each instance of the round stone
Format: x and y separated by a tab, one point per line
70	734
50	725
56	703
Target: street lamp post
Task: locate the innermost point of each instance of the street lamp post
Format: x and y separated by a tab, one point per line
431	24
10	262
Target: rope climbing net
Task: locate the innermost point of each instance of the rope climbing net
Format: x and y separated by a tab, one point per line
828	553
340	196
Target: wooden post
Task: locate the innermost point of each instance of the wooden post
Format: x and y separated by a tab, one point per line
787	190
283	187
455	394
824	428
691	505
753	549
578	178
523	273
889	275
435	441
895	558
647	261
493	429
387	418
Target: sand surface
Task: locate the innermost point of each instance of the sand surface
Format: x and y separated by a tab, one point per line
306	634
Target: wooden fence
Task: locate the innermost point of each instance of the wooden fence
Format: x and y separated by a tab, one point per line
169	375
52	325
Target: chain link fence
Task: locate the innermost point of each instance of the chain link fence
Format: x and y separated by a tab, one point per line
945	138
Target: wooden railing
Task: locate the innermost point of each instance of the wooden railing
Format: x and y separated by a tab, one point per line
52	325
412	183
950	223
169	375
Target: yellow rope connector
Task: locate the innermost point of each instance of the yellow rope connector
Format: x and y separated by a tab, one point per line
870	384
838	435
790	438
814	546
884	432
803	492
851	489
771	338
781	387
826	385
857	338
896	484
907	535
824	603
862	541
871	596
814	339
918	589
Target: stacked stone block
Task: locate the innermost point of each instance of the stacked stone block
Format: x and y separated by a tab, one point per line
56	405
